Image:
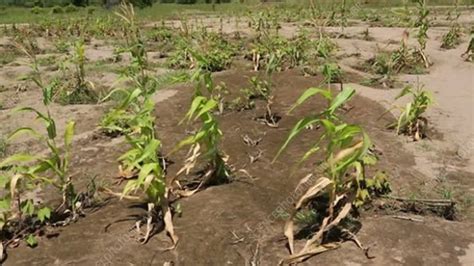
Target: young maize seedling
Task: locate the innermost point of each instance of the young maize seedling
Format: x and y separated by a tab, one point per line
423	25
332	73
57	163
259	90
120	119
469	54
142	166
411	120
342	183
209	135
274	53
82	91
382	66
407	60
343	18
145	171
452	38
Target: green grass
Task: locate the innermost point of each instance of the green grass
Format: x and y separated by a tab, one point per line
12	15
9	15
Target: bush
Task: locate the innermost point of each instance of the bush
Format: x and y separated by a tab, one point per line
141	3
70	8
38	3
90	10
57	10
186	1
36	10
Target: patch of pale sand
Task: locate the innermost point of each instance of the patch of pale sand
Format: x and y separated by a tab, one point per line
99	53
45	44
451	80
86	116
162	95
468	258
5	40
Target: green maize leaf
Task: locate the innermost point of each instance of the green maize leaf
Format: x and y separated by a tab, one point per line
308	94
356	154
192	139
329	126
24	130
50	124
150	150
69	134
51	128
19	157
347	133
131	154
345	95
130	98
145	171
29	109
48	93
315	148
197	102
155	191
55	153
39	168
53	165
112	92
404	119
300	126
210	105
405	91
131	185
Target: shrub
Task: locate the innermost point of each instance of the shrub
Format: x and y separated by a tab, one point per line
70	9
90	10
36	10
57	10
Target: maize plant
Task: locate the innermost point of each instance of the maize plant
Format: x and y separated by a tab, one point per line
141	165
208	136
411	120
342	182
423	25
259	90
332	73
452	38
21	216
276	53
120	119
80	91
469	54
181	57
206	140
343	17
406	59
144	169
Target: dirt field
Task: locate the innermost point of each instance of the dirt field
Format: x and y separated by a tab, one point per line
236	223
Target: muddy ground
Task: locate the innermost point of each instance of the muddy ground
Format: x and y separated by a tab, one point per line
236	224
